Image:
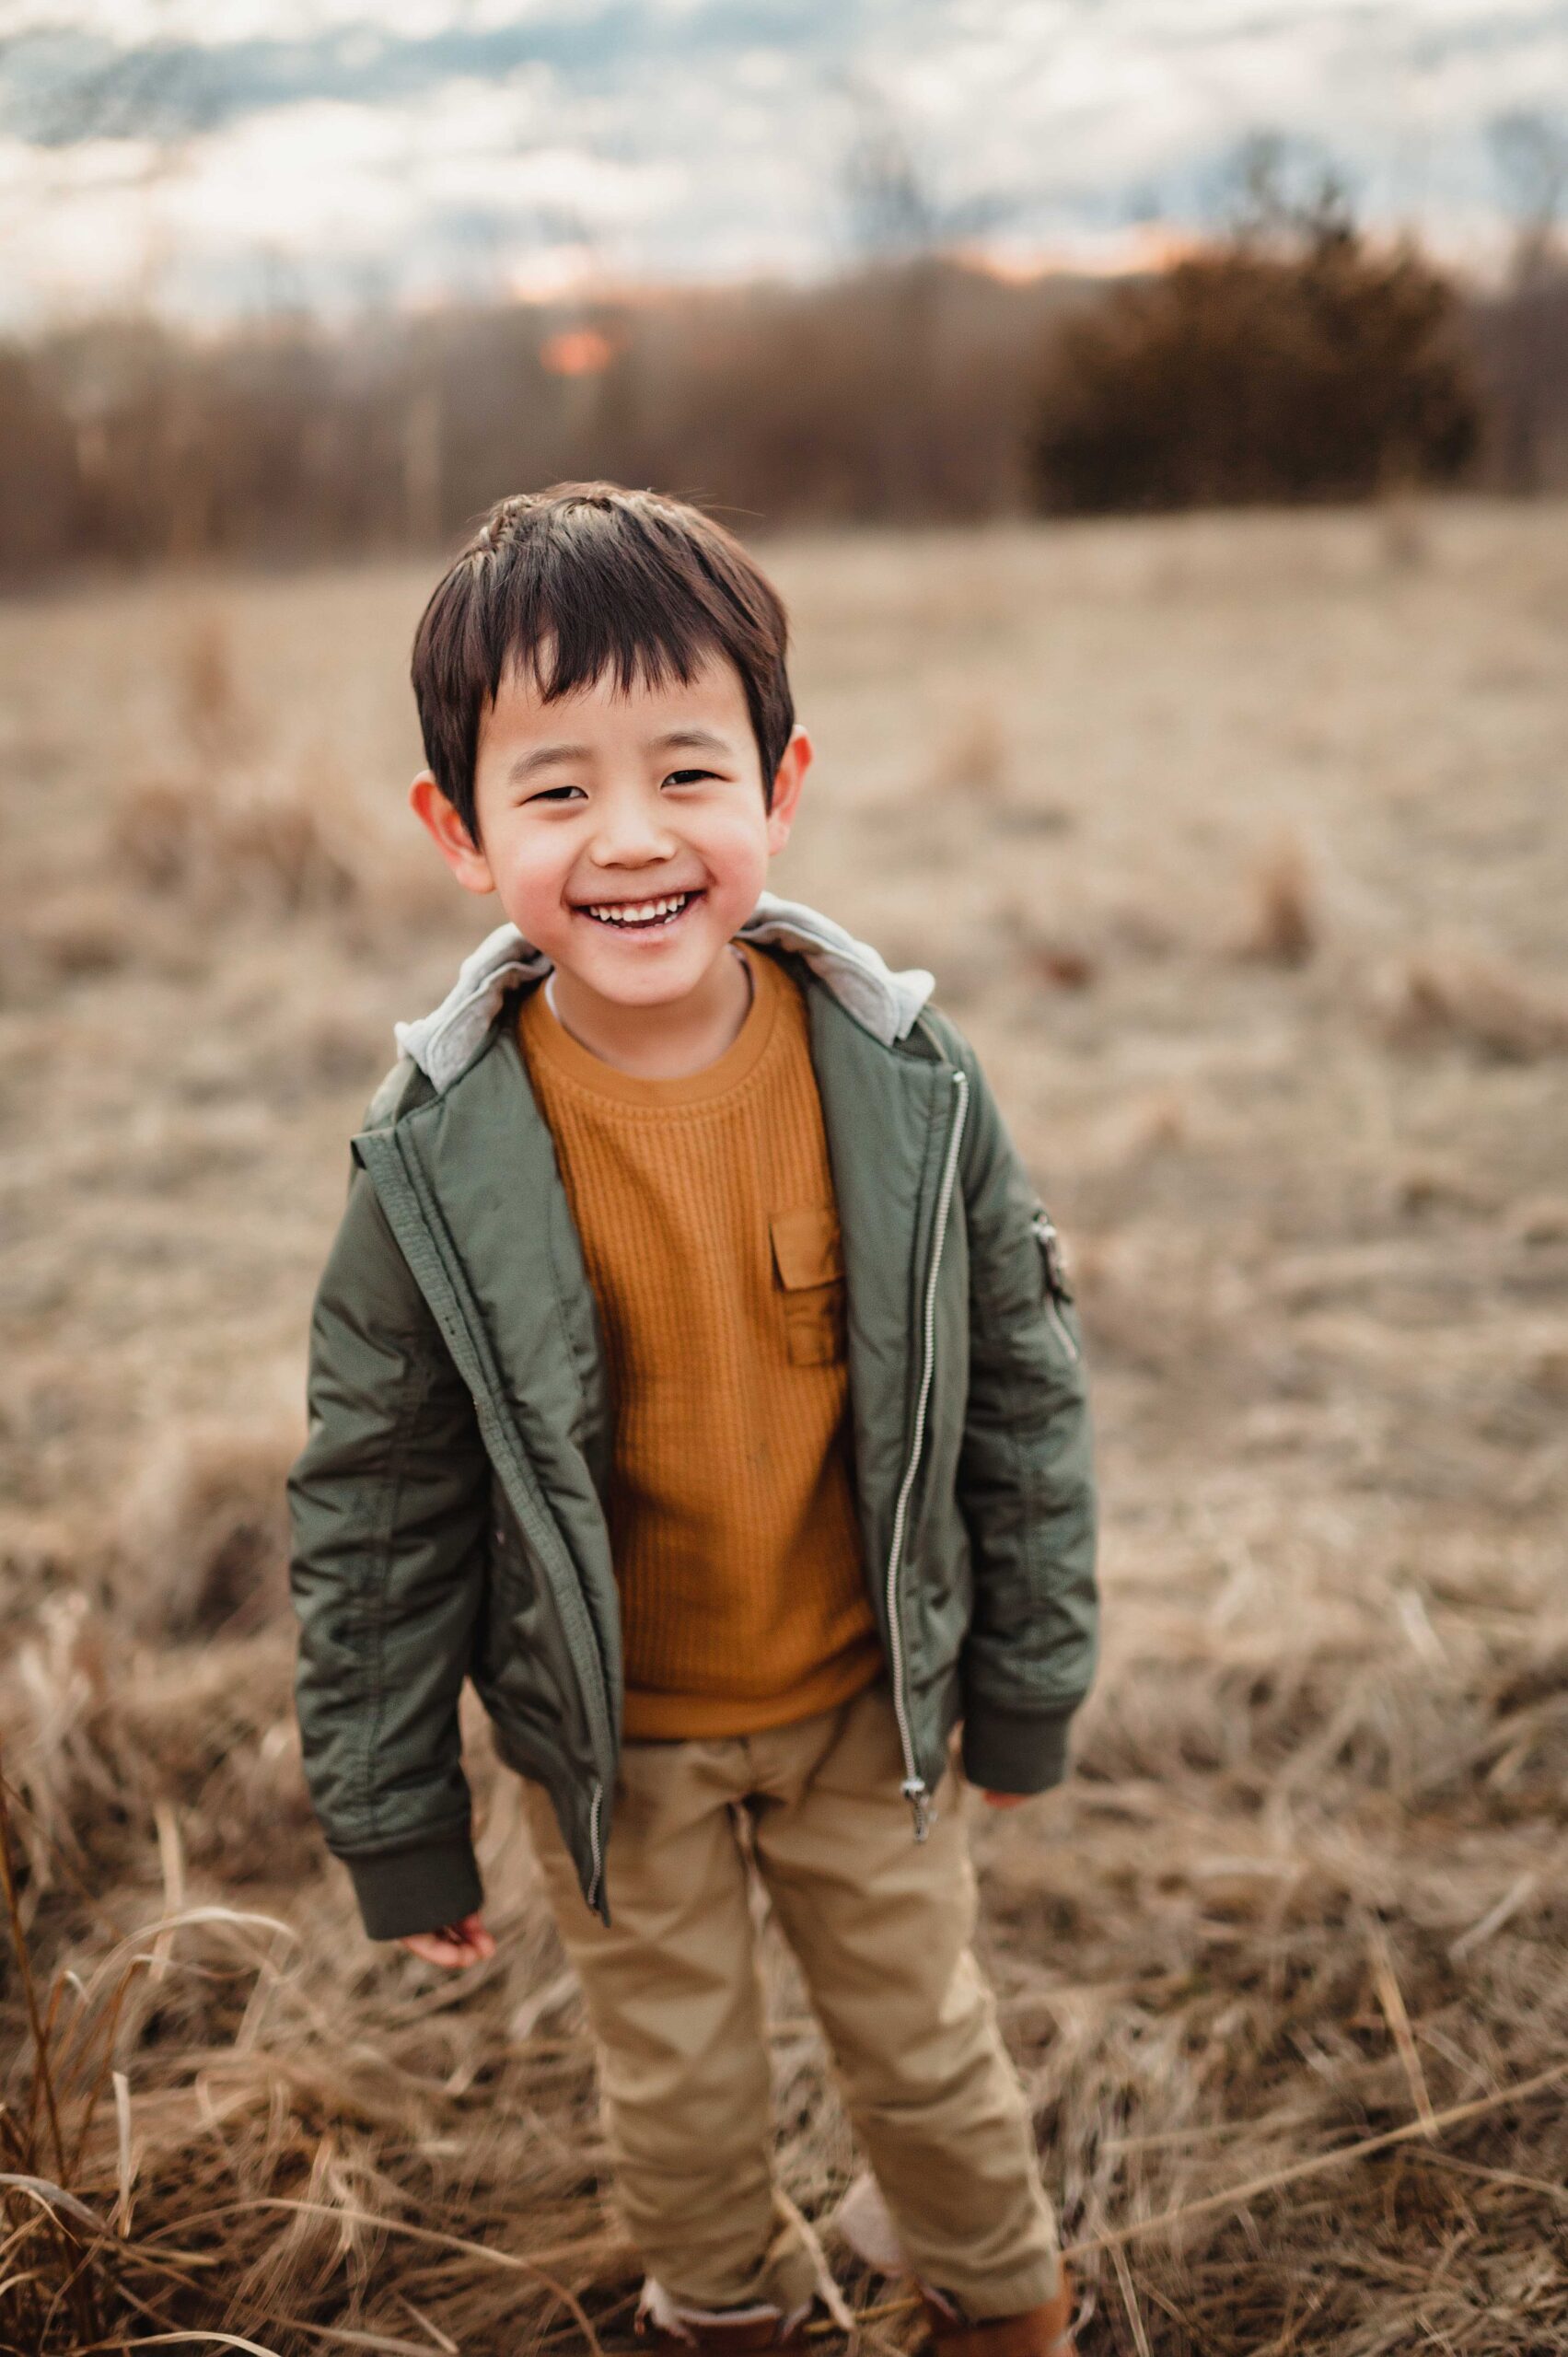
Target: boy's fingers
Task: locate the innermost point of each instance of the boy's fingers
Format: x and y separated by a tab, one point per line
457	1945
453	1944
445	1946
470	1936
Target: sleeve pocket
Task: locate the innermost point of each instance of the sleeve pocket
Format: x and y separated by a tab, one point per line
1056	1292
809	1264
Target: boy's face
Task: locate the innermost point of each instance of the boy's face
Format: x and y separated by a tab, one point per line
594	808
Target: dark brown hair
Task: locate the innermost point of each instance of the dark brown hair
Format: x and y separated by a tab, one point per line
580	580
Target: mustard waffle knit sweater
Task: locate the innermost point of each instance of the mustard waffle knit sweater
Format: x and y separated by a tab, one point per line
706	1207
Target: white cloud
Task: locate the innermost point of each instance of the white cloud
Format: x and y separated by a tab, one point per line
133	23
709	139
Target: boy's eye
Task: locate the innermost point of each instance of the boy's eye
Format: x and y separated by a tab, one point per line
687	777
555	793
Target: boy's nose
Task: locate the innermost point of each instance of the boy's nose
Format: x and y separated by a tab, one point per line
631	838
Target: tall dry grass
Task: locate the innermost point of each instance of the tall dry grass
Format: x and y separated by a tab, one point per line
1283	1968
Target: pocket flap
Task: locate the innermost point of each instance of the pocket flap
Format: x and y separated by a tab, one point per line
808	1247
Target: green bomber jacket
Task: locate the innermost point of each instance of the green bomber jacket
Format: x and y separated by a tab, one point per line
449	1506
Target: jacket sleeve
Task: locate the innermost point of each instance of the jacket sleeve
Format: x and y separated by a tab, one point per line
1026	1470
389	1508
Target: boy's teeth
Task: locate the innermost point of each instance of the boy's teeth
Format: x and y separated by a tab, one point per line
639	911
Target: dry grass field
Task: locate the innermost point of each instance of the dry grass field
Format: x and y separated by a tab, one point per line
1240	848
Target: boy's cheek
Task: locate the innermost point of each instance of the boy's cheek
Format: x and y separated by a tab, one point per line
533	895
738	865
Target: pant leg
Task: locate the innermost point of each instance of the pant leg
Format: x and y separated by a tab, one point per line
676	2006
882	1925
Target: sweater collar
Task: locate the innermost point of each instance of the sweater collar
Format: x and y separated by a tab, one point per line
445	1042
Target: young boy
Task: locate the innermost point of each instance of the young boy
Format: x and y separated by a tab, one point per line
693	1371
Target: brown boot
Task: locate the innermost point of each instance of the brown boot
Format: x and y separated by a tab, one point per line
725	2337
1044	2331
664	2323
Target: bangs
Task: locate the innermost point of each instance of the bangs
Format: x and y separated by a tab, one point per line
587	582
602	597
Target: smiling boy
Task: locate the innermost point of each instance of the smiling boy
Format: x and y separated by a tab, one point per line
693	1371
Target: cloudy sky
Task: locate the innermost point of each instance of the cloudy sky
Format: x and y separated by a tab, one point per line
220	156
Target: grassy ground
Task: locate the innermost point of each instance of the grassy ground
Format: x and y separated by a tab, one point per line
1239	847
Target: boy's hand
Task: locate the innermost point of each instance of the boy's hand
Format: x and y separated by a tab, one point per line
1007	1800
453	1944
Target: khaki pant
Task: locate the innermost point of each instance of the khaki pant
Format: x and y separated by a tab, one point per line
881	1927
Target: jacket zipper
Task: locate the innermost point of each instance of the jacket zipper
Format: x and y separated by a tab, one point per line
595	1844
596	1798
913	1787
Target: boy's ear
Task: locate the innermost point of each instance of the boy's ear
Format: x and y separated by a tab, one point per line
452	840
788	779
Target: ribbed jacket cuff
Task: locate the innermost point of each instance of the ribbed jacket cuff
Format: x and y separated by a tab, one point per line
418	1889
1015	1751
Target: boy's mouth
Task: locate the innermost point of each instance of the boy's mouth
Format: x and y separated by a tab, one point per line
651	915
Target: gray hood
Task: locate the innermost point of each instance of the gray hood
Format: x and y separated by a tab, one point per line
445	1042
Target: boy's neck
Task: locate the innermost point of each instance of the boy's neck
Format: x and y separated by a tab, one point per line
668	1043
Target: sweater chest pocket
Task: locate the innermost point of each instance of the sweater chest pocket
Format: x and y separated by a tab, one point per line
808	1272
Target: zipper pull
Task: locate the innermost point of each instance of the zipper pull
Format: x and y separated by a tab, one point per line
1051	1248
919	1799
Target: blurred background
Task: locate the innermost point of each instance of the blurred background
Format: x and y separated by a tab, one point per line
1157	419
307	279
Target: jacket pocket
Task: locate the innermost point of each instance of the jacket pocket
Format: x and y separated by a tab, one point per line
1056	1293
809	1264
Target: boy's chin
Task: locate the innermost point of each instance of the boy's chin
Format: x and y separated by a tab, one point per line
638	976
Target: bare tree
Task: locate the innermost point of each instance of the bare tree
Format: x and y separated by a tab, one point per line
894	211
1279	190
1529	154
903	228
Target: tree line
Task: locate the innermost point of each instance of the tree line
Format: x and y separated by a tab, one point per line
1290	358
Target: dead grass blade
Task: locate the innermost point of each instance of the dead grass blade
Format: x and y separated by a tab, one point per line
203	2338
171	1856
43	2080
1392	2002
1514	2177
1507	1906
832	2299
438	2339
1129	2300
52	2197
121	2220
